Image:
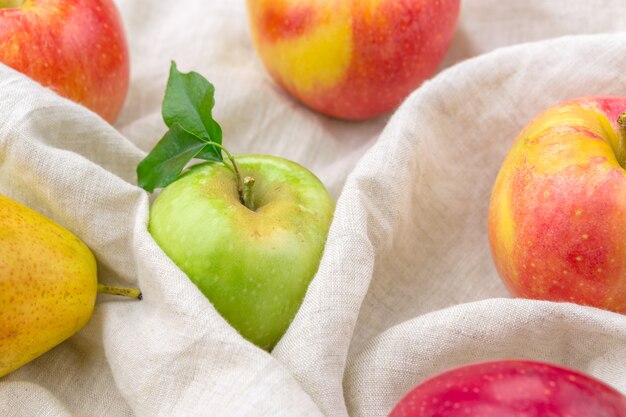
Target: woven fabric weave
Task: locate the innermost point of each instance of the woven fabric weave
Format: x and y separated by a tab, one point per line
406	287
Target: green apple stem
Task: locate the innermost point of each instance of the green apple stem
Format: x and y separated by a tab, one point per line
11	4
621	149
248	197
244	187
123	291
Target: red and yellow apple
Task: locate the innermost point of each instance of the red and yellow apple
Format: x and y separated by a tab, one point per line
558	208
76	47
352	59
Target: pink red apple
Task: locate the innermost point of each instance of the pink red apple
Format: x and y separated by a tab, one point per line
76	47
557	214
352	59
511	388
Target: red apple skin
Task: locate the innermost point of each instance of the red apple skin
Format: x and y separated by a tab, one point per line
76	47
352	59
558	207
511	388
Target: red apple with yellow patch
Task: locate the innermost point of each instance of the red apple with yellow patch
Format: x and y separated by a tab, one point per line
558	208
352	59
75	47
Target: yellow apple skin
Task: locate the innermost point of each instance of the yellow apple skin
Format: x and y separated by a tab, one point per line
48	284
558	208
352	59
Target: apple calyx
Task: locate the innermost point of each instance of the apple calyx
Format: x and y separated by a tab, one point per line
621	147
11	4
123	291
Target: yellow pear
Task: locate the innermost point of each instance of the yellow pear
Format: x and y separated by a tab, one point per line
48	284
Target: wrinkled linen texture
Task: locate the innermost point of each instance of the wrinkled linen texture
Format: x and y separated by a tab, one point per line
406	287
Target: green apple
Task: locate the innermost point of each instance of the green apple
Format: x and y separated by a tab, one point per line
249	233
253	264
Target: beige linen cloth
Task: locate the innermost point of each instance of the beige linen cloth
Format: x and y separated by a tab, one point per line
406	287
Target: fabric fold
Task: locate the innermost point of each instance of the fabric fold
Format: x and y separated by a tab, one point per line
406	287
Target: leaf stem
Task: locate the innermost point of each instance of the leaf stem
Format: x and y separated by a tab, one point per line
621	146
235	168
124	291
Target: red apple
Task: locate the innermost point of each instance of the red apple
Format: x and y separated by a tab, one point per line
558	207
76	47
511	388
352	59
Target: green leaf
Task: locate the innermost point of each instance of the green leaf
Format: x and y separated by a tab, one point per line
189	100
169	157
187	111
208	153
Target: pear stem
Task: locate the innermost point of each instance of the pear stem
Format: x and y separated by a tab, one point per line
123	291
621	147
245	197
11	4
